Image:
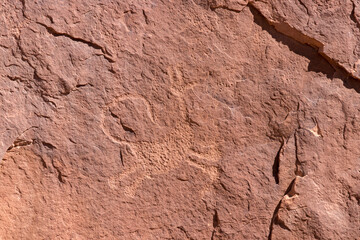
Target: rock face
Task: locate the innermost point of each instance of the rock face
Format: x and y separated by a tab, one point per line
191	119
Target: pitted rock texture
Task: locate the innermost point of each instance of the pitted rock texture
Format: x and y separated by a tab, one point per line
192	119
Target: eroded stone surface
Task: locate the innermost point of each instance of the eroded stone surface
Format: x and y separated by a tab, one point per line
179	119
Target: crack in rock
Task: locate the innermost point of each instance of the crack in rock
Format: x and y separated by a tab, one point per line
216	224
275	220
276	164
91	44
295	34
121	158
20	143
290	191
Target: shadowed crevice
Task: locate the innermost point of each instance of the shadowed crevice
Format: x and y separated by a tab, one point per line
274	219
318	63
216	224
276	164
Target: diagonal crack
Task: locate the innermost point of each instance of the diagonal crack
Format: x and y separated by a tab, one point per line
23	8
274	219
293	33
290	191
126	128
121	158
307	11
304	5
19	142
287	30
123	125
93	45
146	18
276	164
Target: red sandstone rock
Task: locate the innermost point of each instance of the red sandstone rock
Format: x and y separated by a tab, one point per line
187	119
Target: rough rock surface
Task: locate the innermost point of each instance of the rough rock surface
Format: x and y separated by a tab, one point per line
180	119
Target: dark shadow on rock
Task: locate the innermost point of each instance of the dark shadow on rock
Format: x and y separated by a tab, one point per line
317	62
352	83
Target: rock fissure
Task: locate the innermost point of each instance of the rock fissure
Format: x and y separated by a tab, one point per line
298	36
289	31
127	128
145	17
20	143
290	191
276	164
306	8
307	11
91	44
23	9
121	158
215	223
48	145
